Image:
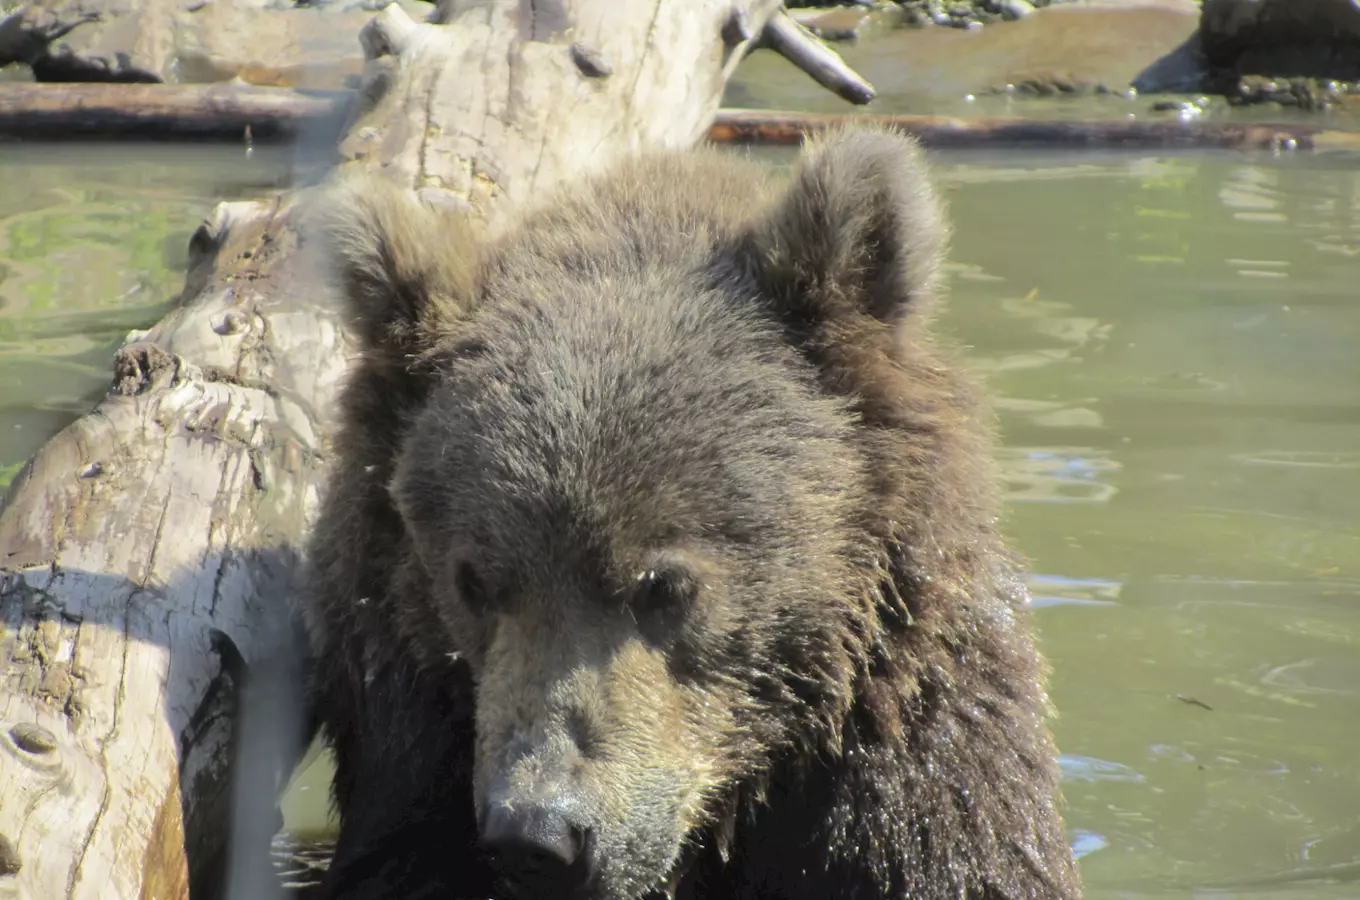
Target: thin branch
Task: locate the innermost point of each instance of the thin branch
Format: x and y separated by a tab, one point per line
806	51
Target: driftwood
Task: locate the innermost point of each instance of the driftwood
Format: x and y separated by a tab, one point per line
264	114
185	112
755	126
149	552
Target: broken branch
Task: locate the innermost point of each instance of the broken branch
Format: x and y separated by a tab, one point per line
806	51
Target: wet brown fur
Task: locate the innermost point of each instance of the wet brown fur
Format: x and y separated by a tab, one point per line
683	363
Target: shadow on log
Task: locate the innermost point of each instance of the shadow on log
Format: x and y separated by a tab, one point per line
150	561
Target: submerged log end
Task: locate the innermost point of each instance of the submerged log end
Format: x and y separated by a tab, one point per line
806	51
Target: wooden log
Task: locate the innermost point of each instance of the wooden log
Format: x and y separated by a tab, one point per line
158	112
773	127
223	112
149	553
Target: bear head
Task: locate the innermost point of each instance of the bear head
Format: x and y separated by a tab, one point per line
631	480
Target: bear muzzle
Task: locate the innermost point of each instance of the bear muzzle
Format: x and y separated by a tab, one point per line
538	847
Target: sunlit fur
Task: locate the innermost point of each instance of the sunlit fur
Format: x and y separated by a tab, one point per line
683	363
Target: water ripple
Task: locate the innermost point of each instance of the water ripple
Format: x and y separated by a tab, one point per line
1060	590
1057	475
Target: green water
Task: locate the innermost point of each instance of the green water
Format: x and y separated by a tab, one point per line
1174	348
93	243
1174	345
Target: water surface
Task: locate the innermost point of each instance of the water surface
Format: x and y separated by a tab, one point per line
1173	345
93	243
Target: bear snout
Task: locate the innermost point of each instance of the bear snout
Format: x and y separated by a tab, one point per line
539	847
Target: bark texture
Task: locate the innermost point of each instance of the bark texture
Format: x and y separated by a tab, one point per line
149	553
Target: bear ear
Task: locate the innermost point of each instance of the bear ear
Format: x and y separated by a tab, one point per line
860	231
405	265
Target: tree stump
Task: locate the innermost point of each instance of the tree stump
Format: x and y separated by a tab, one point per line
149	554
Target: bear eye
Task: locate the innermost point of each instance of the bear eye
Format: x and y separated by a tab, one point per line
470	587
664	588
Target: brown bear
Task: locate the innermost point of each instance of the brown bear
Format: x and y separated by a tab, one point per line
660	556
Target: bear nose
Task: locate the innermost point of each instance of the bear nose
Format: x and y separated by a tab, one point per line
515	830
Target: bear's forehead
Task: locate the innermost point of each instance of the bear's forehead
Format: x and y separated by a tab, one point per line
632	411
631	356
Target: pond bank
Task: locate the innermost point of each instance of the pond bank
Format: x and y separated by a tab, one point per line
1302	54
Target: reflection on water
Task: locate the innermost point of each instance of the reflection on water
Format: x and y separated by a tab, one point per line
1172	344
1057	474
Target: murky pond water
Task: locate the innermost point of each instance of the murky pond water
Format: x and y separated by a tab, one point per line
1174	348
93	243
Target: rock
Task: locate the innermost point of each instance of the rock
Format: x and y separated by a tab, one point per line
267	42
1062	49
56	39
1016	9
1311	94
1076	48
1285	38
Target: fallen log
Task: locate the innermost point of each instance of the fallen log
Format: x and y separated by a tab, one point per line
179	112
149	553
248	114
773	127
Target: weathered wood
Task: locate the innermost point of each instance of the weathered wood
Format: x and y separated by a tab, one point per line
150	550
221	112
775	127
159	112
796	43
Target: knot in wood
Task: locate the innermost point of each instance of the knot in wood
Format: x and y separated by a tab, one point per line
37	750
590	61
234	321
33	739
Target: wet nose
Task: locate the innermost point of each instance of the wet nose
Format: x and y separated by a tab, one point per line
541	830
